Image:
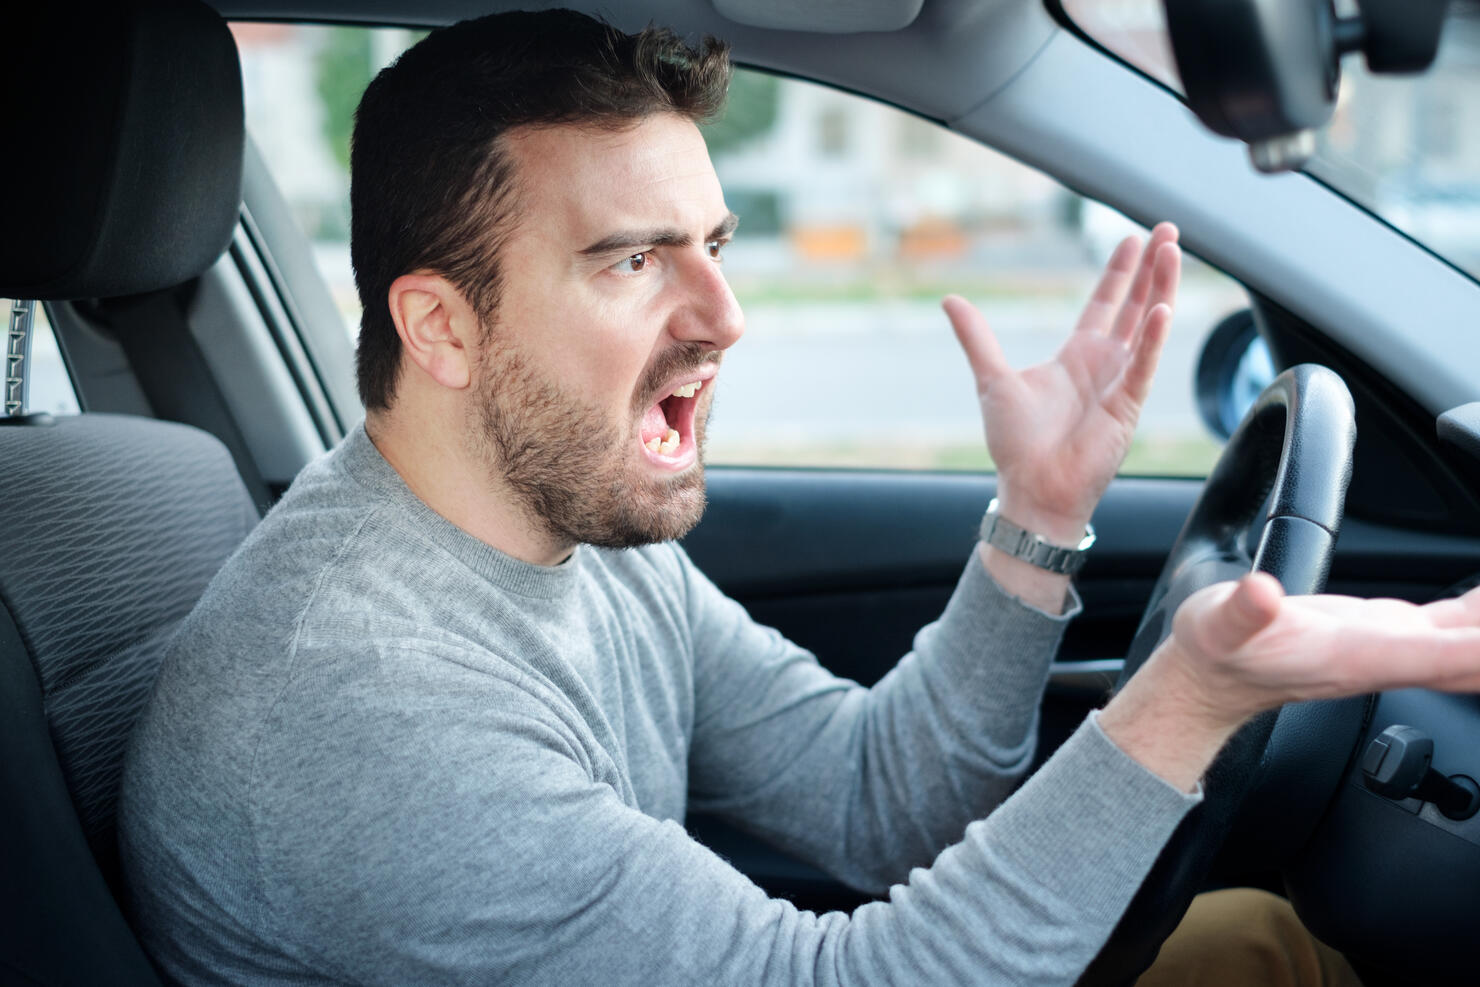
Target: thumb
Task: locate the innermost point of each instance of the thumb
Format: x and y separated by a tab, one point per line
1251	607
983	351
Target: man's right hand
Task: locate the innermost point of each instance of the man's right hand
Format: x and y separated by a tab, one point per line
1239	648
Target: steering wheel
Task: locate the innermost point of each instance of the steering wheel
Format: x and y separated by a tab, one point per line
1293	450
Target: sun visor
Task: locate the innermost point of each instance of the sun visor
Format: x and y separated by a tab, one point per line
123	168
823	16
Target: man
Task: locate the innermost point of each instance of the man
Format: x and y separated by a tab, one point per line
441	718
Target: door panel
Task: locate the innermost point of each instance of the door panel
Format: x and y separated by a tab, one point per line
851	564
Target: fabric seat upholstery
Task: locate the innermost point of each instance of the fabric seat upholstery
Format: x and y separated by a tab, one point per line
110	529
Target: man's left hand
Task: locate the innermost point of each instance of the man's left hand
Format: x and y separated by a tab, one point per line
1057	432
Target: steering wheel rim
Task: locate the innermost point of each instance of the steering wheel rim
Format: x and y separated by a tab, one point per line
1293	450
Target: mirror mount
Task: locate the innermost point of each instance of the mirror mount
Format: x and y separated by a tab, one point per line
1267	71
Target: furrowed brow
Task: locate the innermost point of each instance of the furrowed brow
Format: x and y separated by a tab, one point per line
629	239
632	239
725	227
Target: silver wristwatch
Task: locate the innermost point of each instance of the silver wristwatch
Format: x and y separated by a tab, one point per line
1033	548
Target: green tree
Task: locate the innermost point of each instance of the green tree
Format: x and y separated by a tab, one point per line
346	62
344	67
749	112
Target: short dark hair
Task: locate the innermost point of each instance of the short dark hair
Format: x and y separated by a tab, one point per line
432	185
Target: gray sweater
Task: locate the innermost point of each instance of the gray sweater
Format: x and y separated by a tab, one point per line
380	751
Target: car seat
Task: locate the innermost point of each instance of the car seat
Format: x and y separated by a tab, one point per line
128	181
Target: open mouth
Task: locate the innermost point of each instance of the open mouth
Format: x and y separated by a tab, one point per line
668	427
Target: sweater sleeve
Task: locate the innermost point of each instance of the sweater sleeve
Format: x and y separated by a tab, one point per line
867	783
460	833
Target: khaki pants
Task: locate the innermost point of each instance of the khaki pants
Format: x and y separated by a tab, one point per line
1244	936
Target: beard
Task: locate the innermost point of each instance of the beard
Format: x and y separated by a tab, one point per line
575	471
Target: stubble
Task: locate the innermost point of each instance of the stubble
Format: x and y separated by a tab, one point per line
575	471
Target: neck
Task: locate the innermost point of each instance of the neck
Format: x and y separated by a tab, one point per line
441	471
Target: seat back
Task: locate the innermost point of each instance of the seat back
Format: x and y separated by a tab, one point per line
110	529
110	526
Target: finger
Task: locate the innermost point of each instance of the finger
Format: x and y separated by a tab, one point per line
1133	307
1143	294
1252	606
1456	667
1136	382
1166	273
1462	611
1358	609
983	351
1111	288
1447	659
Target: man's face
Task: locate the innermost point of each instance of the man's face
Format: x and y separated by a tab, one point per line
599	369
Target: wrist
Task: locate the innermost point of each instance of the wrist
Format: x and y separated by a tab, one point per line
1039	588
1167	721
1064	528
1215	706
1005	536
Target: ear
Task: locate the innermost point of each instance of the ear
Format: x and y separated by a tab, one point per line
437	326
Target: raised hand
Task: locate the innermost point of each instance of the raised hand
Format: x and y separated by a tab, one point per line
1057	432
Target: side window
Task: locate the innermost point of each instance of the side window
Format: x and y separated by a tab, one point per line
855	219
300	85
50	386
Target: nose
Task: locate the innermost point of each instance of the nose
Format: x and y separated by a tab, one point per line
708	313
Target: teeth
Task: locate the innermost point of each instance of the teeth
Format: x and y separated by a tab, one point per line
688	390
667	445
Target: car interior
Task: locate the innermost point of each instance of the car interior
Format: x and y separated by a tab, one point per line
210	367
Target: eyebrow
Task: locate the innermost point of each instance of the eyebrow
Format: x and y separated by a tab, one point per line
628	239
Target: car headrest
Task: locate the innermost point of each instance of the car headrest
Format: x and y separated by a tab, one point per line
123	168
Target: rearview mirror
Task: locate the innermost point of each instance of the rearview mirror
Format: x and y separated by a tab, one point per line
1266	71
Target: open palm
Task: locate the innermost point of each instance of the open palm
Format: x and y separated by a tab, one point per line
1249	647
1058	431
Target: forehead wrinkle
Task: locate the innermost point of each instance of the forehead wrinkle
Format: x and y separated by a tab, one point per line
585	184
628	158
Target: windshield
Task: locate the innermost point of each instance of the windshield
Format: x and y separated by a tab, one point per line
1404	147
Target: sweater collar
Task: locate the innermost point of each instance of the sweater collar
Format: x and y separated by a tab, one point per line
358	457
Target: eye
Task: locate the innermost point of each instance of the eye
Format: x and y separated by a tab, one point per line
716	249
633	264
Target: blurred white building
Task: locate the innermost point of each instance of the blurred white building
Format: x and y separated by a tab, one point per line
850	178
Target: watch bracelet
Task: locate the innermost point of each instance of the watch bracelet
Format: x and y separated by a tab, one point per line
1007	536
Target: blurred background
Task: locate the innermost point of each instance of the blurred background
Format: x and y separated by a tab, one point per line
856	218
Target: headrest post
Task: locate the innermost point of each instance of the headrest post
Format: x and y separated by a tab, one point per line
18	357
